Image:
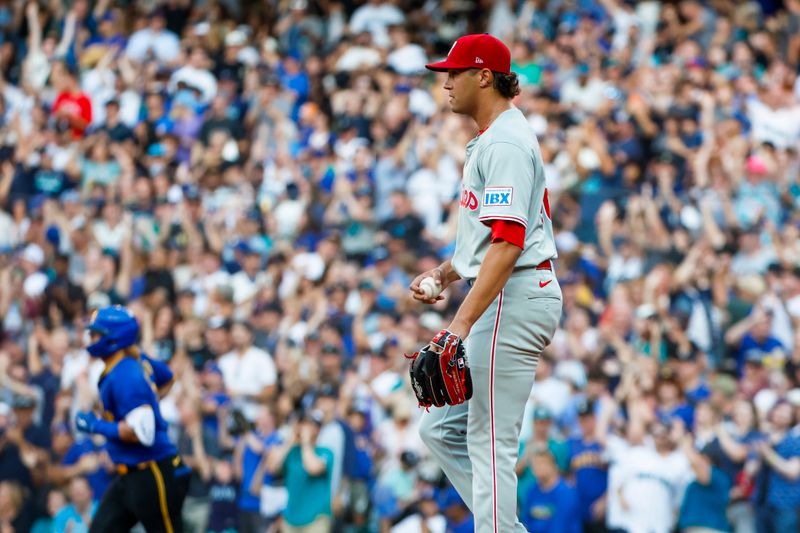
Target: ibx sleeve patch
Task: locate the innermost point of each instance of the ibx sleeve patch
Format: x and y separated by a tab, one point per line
497	196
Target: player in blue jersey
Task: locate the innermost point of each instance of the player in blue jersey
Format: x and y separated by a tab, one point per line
151	480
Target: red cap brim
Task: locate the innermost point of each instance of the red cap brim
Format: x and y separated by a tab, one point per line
443	66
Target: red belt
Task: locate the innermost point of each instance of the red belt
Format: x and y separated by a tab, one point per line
544	265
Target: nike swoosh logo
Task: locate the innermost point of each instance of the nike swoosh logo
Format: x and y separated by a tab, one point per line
543	284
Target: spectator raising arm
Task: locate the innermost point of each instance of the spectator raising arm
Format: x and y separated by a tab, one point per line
277	455
313	464
699	463
786	467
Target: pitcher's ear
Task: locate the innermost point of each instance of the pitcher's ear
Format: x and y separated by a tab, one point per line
487	77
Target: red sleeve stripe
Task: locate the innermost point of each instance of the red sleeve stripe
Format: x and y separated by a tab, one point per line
546	201
510	232
510	218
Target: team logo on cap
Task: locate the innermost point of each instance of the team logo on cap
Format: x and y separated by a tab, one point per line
478	60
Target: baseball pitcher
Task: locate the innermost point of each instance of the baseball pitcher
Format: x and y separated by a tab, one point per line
504	250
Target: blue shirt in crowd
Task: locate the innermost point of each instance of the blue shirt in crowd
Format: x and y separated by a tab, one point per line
465	526
250	460
556	510
782	492
99	479
591	473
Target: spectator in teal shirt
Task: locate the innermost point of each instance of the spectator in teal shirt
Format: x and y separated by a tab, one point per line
306	472
707	497
544	436
56	500
77	516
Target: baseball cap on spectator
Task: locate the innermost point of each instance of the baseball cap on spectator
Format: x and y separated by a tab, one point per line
53	235
566	242
572	372
585	407
331	349
236	37
22	401
366	285
724	384
327	390
244	248
754	357
766	400
427	494
273	306
479	50
201	29
380	254
431	320
409	459
156	150
191	192
157	12
212	367
34	254
689	355
186	292
448	498
315	416
697	62
542	413
71	196
776	269
219	322
97	299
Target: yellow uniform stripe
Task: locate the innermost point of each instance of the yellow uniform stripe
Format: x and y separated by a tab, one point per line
162	496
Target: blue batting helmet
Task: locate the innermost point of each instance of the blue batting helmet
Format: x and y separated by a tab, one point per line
118	329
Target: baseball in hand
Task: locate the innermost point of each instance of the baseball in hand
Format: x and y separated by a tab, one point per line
430	287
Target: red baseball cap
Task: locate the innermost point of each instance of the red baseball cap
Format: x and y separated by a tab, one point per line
479	50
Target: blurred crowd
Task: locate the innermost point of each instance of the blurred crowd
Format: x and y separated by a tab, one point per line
260	181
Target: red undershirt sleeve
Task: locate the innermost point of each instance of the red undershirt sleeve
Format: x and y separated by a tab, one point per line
509	231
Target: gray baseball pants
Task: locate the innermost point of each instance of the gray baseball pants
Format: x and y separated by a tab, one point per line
477	443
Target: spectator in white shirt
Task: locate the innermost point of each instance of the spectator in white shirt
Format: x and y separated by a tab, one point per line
247	282
195	74
248	372
375	17
406	58
584	92
652	480
154	40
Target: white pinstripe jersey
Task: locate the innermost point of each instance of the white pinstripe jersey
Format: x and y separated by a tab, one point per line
503	179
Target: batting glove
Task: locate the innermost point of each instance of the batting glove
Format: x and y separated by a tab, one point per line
88	422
